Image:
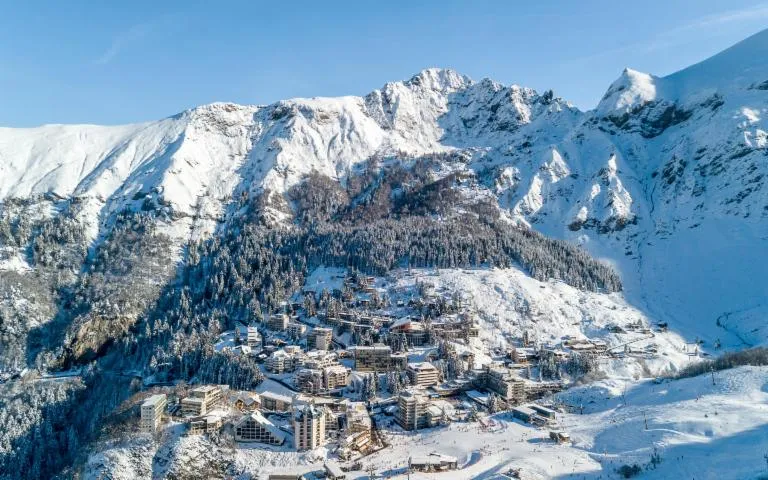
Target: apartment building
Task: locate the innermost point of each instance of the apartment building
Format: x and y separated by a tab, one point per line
201	400
319	359
205	424
310	381
275	402
295	329
503	382
378	358
248	336
254	427
308	427
152	412
335	376
412	410
277	321
283	360
423	374
320	338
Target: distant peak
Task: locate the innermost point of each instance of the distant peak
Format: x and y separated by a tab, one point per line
632	88
440	79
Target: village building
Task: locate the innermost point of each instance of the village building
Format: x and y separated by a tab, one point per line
201	400
309	380
434	462
544	411
333	471
423	374
503	382
249	336
275	402
295	329
414	331
283	360
523	355
415	411
245	401
254	427
204	424
335	376
277	321
378	358
152	412
308	427
320	338
528	415
319	359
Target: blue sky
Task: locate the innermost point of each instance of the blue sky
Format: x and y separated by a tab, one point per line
120	62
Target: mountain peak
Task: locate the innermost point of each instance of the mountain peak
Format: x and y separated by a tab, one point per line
632	88
440	79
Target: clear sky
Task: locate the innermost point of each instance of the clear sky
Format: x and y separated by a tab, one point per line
118	62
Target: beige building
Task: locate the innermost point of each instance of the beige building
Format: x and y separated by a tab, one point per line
423	374
201	400
254	427
308	427
152	412
378	358
412	410
415	411
310	381
320	338
277	321
205	424
358	431
503	382
335	376
275	402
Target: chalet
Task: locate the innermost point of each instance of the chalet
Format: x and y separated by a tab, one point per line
434	462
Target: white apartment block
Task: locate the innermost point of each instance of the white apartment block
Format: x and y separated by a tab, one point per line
423	374
249	336
152	412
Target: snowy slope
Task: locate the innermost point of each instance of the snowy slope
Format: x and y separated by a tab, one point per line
665	178
700	429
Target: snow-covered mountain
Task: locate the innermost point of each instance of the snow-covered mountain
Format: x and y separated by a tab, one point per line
665	178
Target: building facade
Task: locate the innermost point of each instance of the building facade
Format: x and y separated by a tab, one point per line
152	412
254	427
320	338
308	427
201	400
423	374
378	358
